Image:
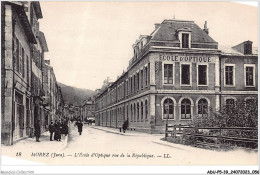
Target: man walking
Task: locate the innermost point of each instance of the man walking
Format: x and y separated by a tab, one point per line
125	125
51	130
37	128
80	125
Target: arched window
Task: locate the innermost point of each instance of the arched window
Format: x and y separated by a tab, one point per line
146	109
185	109
137	111
203	106
142	110
168	109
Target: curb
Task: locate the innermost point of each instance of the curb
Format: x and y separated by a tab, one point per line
115	132
109	131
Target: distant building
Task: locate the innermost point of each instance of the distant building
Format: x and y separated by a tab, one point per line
177	73
54	99
88	110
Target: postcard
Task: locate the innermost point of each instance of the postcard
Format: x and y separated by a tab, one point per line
130	84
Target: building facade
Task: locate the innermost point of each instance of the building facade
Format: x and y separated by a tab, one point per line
23	47
177	73
54	101
88	110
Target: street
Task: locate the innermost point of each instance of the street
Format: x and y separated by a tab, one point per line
145	149
107	146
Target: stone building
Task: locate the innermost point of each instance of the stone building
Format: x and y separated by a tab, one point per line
19	33
177	72
54	100
88	112
23	47
239	72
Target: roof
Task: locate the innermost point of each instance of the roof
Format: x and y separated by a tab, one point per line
25	23
37	7
168	31
228	50
43	41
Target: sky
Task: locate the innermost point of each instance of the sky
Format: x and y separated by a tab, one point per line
90	41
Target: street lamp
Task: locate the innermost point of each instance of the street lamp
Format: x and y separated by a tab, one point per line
167	108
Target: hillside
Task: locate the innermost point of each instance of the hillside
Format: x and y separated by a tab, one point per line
75	95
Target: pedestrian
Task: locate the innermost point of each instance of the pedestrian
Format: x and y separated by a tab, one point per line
57	135
64	128
51	130
37	128
125	125
79	125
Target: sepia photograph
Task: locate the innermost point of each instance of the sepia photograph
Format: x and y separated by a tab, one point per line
91	83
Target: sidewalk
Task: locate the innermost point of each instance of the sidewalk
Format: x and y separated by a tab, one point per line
29	145
127	132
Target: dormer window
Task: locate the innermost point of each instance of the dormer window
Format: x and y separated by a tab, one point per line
185	40
248	48
184	35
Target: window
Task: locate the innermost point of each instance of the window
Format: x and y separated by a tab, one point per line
185	109
131	85
20	59
142	110
146	109
142	79
126	87
203	106
134	113
19	111
138	80
229	75
168	109
16	54
250	76
185	74
134	83
248	48
168	74
137	111
202	74
185	40
146	76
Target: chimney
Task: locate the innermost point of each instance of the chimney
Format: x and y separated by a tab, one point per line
206	30
47	62
157	25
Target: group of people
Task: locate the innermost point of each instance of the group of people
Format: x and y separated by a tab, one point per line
57	129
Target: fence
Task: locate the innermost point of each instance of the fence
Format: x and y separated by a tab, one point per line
246	137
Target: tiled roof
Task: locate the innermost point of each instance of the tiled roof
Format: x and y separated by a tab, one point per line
228	50
168	31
